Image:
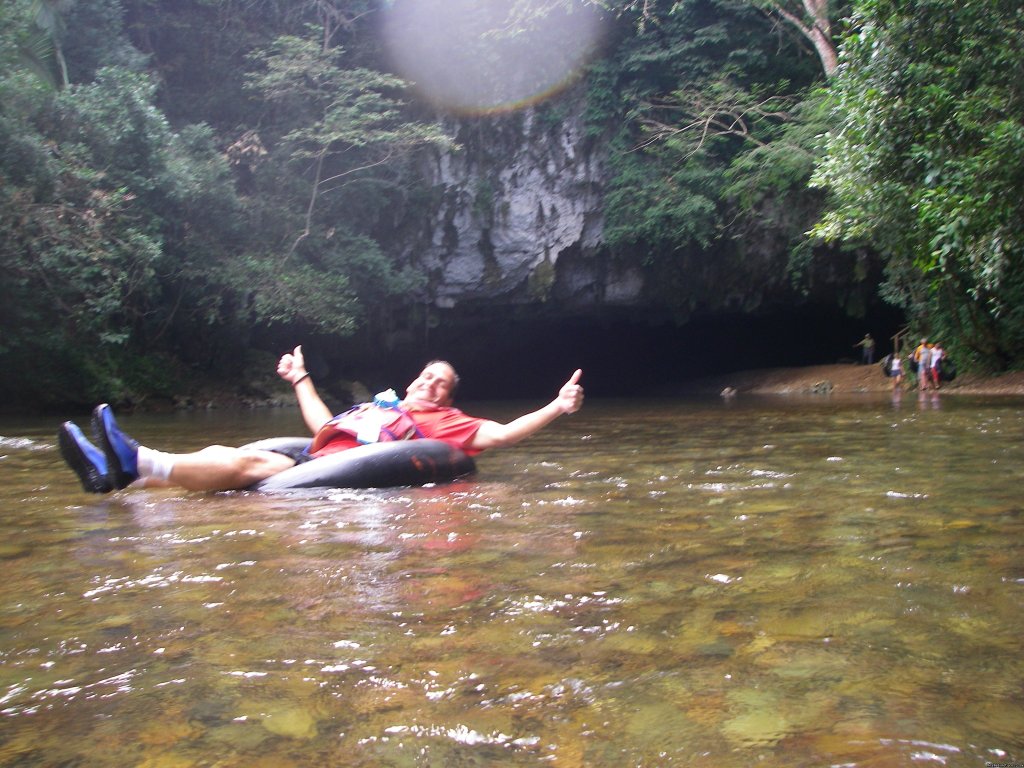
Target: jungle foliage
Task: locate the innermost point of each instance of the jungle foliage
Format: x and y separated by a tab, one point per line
850	147
713	153
182	182
167	197
925	162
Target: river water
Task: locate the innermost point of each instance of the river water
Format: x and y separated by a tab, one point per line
792	581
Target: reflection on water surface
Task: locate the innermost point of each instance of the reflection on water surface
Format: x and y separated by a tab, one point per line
792	581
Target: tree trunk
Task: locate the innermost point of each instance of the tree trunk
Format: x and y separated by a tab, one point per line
814	24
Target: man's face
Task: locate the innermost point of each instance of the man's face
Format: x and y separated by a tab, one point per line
433	386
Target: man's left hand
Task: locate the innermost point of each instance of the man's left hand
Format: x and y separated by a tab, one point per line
570	396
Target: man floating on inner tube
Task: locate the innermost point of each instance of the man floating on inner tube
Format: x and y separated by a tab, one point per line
425	412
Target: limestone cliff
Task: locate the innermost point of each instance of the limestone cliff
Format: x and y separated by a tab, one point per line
516	214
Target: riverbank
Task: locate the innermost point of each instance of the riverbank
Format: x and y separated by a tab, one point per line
840	378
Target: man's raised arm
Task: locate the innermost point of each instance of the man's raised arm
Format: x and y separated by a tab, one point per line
493	435
292	368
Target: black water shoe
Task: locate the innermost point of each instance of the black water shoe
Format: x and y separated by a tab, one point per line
84	458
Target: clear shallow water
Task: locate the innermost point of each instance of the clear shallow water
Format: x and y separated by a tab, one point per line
783	581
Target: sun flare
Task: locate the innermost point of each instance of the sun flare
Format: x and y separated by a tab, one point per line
478	57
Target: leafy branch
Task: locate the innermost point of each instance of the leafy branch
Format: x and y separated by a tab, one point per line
720	110
338	113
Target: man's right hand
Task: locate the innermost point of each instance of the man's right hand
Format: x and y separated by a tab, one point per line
292	365
292	368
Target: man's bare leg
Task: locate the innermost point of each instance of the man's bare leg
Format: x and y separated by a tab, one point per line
220	468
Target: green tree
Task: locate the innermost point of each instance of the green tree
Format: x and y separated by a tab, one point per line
138	249
342	123
99	185
341	137
925	162
712	164
49	18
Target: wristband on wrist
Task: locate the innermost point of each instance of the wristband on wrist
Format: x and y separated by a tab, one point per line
302	377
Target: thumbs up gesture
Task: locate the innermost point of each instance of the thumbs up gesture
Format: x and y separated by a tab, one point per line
570	396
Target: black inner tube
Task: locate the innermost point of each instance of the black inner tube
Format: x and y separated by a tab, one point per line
376	465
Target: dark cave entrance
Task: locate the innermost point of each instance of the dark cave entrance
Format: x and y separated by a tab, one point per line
504	354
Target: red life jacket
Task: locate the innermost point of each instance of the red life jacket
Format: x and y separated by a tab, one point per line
367	423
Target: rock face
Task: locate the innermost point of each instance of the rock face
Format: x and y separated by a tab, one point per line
517	213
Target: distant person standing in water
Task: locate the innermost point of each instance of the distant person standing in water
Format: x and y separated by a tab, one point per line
935	366
868	349
923	358
896	371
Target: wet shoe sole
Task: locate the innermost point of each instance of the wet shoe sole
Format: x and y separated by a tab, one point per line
93	479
